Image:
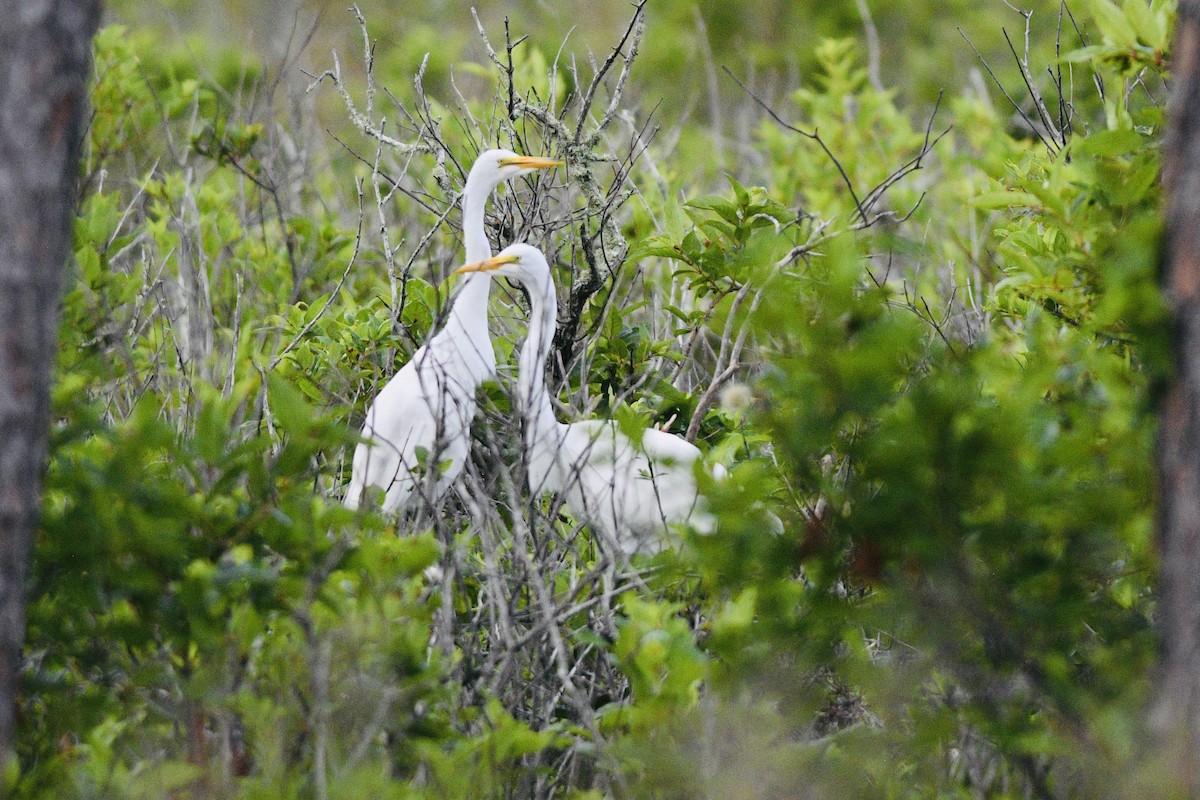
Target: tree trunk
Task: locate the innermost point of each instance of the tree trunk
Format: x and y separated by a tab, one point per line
1177	709
45	50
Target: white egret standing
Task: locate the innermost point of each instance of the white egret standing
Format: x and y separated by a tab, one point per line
419	425
629	490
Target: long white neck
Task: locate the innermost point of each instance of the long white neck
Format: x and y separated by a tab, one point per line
474	199
532	396
468	315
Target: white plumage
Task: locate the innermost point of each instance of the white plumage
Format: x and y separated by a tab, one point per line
417	430
629	490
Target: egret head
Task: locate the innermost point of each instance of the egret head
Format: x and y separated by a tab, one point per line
496	166
520	262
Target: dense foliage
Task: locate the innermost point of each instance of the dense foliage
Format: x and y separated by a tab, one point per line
924	337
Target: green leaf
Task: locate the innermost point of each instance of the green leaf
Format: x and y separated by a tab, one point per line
739	191
212	429
293	414
1111	21
727	210
1150	26
1110	143
1004	199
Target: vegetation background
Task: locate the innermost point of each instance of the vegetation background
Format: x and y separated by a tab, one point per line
893	264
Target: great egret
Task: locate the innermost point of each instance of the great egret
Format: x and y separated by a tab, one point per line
630	490
419	425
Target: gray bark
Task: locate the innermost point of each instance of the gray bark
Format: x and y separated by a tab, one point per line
45	51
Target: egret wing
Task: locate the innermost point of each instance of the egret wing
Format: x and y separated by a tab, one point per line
418	422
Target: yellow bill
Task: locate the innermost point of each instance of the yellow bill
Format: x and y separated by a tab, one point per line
487	265
530	162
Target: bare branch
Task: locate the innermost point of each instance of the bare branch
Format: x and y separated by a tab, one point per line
873	49
814	135
637	26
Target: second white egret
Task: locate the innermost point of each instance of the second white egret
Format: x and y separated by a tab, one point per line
630	490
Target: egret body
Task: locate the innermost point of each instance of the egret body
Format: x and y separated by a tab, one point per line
417	430
630	491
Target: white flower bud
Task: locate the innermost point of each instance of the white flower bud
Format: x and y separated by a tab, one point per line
736	398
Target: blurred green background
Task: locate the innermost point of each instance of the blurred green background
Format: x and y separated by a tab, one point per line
922	46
